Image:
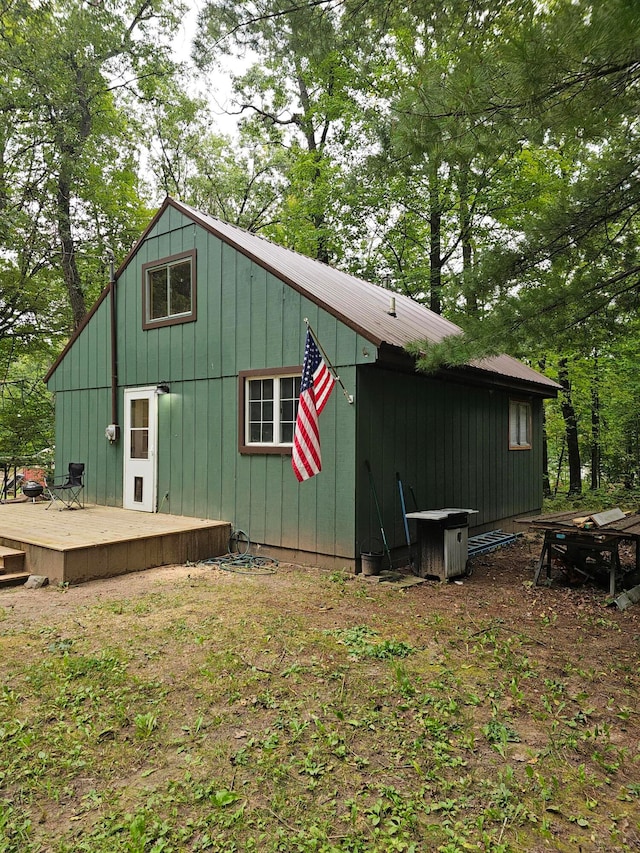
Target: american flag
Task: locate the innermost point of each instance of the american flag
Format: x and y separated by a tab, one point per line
315	388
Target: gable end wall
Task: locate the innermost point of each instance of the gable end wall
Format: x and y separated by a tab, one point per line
247	320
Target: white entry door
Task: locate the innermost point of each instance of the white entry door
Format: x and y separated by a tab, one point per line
140	440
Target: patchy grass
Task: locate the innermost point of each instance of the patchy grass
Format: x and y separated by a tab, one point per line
308	711
595	500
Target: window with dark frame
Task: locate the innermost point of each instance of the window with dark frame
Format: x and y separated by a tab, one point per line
270	407
519	425
168	290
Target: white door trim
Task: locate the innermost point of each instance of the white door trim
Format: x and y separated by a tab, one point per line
140	466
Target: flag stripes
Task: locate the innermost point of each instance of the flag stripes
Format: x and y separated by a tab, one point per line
315	388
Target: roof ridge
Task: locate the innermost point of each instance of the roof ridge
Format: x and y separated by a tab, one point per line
296	254
380	316
408	321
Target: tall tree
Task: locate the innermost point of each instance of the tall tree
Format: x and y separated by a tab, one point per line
295	98
68	170
567	76
571	429
239	180
445	172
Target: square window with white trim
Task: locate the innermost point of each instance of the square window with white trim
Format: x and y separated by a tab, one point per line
270	407
519	425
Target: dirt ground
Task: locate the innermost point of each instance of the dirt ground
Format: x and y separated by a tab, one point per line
500	587
561	624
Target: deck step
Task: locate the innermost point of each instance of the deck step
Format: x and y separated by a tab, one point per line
11	561
13	578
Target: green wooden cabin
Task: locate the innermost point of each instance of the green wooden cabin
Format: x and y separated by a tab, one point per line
215	316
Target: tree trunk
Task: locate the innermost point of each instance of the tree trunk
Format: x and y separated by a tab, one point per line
317	215
596	451
546	482
69	267
571	429
72	129
470	295
320	224
560	461
629	475
435	242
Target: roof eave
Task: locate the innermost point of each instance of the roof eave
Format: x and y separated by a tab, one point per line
396	357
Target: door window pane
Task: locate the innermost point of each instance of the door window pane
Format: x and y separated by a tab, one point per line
139	413
139	432
139	444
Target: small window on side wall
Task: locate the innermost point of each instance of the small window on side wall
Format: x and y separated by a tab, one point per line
519	425
268	409
169	290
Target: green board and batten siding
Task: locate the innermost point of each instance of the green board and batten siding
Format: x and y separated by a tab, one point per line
449	443
246	319
448	440
83	410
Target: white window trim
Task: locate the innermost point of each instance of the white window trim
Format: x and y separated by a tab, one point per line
277	445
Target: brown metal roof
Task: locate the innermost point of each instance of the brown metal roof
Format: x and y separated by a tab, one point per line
359	304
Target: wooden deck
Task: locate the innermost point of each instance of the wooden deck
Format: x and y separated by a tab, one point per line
71	546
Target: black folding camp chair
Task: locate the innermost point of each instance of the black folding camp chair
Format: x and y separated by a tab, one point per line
67	494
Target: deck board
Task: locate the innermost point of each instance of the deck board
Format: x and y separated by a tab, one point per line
100	541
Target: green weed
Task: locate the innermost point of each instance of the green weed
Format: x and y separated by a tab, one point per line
223	718
361	643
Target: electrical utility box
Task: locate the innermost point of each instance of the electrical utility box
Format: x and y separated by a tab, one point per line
443	541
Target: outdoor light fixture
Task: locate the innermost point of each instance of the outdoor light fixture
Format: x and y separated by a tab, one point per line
162	388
